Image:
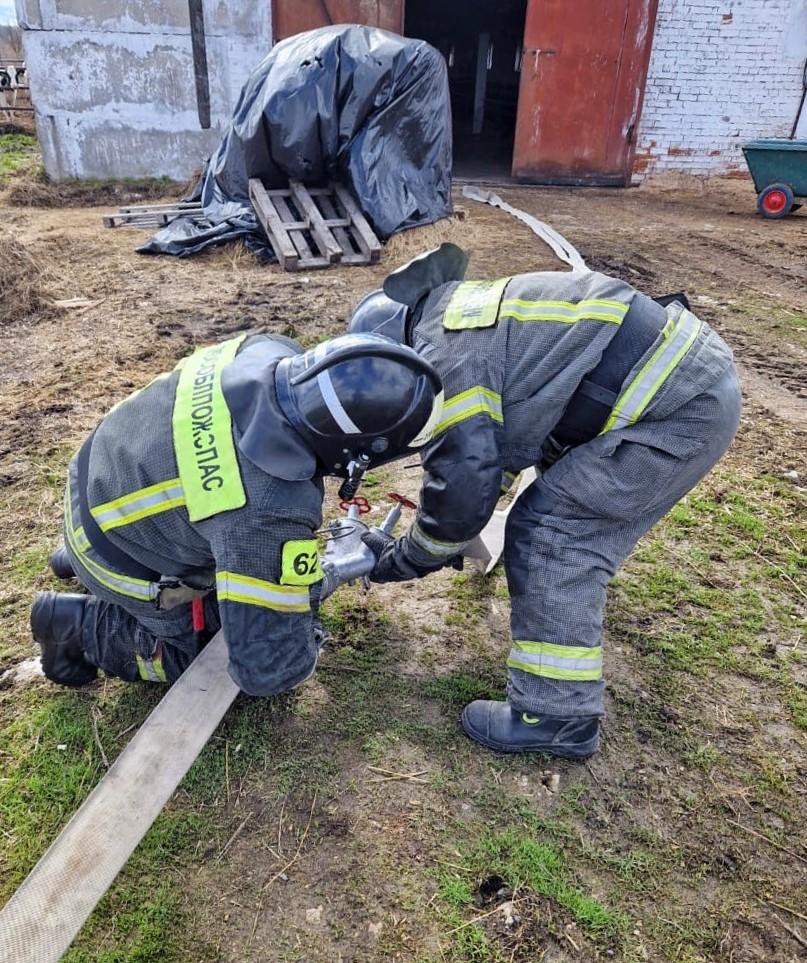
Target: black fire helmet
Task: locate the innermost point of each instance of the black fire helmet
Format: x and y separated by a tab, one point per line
359	400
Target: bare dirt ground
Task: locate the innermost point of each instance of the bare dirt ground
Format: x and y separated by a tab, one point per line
352	821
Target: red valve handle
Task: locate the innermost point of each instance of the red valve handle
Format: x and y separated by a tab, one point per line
401	500
360	502
198	613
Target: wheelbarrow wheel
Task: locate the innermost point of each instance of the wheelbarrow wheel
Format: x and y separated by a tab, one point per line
775	201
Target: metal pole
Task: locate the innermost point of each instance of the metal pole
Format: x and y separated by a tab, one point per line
801	102
200	69
480	87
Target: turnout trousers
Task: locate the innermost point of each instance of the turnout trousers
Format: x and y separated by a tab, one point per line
575	525
124	633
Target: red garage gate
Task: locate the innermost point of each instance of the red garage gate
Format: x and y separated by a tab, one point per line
548	90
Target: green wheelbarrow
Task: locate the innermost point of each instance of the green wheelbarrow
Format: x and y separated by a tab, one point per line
779	170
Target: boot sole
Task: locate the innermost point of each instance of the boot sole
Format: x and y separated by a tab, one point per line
582	751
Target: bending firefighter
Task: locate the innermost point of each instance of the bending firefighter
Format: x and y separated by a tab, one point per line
200	496
622	404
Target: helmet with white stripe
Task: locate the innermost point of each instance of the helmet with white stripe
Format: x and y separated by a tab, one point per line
359	400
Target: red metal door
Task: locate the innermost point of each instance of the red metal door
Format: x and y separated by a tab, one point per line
582	85
294	16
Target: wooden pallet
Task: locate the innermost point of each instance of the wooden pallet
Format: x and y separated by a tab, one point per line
154	215
314	227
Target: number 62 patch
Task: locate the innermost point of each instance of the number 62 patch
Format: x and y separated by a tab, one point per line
300	564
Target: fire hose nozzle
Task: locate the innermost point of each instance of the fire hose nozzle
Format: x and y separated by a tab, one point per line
346	556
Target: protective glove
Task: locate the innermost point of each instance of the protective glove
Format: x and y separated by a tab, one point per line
383	547
377	541
392	564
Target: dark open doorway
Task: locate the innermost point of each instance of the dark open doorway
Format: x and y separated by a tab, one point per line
481	41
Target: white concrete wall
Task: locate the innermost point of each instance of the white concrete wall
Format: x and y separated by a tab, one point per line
113	86
722	72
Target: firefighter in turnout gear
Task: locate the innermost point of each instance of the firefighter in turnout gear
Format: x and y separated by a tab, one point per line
202	494
622	404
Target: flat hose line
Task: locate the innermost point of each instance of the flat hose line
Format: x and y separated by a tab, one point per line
42	918
564	249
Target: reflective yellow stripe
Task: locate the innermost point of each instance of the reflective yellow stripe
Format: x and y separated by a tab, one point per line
474	304
133	588
475	401
256	591
203	434
677	337
139	504
564	312
157	662
151	670
569	663
434	546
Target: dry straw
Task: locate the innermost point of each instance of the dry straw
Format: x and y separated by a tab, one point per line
458	230
25	282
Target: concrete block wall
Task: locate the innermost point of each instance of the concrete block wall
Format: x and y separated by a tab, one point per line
722	72
112	81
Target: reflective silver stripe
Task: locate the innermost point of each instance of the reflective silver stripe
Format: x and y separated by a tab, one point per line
535	658
141	507
678	337
147	670
338	413
255	591
432	546
551	660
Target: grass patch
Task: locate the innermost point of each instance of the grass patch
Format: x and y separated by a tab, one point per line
528	865
794	325
27	565
49	763
469	598
457	689
16	151
715	581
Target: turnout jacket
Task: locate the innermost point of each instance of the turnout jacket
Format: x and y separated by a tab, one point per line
511	354
200	476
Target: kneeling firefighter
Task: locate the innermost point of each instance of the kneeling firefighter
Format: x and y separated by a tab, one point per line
201	495
622	403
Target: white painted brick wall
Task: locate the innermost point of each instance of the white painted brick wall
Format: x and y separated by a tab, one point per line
722	72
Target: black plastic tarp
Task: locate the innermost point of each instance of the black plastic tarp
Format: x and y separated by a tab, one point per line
356	104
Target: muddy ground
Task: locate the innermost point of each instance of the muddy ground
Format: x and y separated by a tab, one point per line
352	821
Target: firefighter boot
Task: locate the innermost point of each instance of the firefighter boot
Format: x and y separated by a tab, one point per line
60	564
56	624
498	726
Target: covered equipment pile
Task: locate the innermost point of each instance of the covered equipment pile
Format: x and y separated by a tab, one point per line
359	105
